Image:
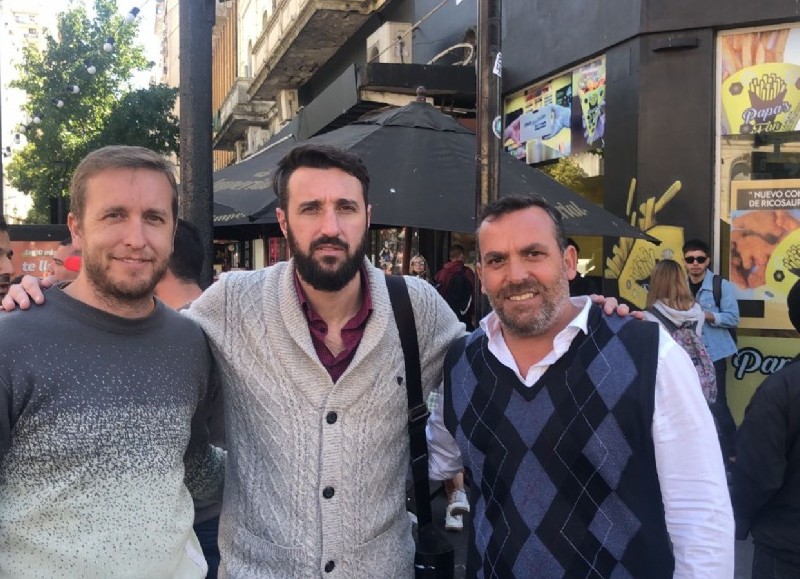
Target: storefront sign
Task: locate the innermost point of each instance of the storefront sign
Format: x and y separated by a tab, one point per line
32	257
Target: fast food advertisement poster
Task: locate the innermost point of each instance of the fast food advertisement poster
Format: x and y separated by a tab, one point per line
765	249
560	117
760	81
757	358
32	257
589	91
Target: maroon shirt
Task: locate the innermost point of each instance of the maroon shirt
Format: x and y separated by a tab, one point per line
352	331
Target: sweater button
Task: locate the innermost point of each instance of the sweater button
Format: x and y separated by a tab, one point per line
327	492
331	417
329	566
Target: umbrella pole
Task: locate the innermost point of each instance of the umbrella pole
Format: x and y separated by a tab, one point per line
489	114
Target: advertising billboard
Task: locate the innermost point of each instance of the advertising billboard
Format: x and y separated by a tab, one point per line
559	117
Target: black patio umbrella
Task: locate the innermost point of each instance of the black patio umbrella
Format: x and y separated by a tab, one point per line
422	167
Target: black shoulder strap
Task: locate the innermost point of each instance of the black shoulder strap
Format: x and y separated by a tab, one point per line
668	324
716	288
417	409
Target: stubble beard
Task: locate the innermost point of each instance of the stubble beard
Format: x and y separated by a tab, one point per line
532	324
131	293
321	275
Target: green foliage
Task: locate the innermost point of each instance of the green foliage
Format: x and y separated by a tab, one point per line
568	173
106	111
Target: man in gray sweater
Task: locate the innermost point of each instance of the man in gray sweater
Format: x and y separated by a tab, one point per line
99	391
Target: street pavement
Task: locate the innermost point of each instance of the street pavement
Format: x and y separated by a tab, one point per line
743	555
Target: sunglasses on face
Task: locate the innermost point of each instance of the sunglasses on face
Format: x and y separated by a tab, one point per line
699	259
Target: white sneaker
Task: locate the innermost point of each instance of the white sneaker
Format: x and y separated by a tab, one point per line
453	522
458	504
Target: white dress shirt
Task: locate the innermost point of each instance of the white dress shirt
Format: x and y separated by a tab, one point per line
697	505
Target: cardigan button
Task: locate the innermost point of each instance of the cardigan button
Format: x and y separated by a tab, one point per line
329	566
331	417
327	492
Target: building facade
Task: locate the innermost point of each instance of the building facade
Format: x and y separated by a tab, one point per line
691	112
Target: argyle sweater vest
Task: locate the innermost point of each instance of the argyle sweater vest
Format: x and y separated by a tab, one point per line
564	480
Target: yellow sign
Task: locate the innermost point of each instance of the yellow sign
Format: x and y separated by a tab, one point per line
757	358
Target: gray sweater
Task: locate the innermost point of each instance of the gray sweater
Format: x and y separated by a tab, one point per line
306	487
96	414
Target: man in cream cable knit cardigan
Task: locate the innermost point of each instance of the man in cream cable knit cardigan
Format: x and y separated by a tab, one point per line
315	407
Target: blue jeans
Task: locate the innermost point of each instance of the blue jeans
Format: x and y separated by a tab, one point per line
207	532
765	566
726	426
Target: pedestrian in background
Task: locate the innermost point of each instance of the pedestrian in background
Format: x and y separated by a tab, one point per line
456	283
717	298
766	474
419	268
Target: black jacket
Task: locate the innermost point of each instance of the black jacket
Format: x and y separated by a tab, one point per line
766	474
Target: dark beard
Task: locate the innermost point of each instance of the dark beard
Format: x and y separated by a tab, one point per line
325	279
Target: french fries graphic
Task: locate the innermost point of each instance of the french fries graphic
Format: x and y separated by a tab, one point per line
646	219
751	48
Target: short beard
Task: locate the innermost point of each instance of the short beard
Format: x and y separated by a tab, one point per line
542	320
5	280
123	295
326	279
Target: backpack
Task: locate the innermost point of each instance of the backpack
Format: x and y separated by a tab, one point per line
458	293
686	337
716	289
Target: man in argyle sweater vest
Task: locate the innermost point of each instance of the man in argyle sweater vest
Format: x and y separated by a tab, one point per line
590	448
567	463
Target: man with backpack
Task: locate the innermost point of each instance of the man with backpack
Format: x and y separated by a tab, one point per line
456	283
717	298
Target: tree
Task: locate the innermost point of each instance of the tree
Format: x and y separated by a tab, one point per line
568	173
106	109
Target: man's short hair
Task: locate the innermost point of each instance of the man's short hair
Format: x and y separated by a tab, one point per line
317	157
118	157
3	224
457	251
66	241
793	304
573	243
514	203
696	245
186	261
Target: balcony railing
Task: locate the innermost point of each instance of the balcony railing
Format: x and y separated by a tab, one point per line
300	36
237	113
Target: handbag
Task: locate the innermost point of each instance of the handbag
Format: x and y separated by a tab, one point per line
434	556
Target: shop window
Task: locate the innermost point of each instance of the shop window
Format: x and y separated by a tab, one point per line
758	194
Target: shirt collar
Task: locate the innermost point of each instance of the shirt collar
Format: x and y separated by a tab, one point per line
561	343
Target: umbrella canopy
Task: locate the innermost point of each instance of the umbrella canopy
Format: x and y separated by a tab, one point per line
422	167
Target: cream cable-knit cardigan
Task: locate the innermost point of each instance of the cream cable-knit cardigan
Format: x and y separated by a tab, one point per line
283	450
